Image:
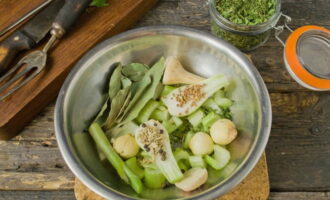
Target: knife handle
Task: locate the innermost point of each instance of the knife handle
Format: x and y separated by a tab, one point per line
71	10
10	47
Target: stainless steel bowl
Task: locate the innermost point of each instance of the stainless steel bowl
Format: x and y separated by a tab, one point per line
83	92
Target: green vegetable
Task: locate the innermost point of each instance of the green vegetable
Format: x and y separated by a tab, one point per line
135	71
220	158
123	171
154	178
196	118
172	124
146	112
212	106
249	12
197	161
160	115
193	100
104	145
144	90
123	129
182	158
166	90
187	139
160	148
210	119
224	102
99	3
134	180
133	166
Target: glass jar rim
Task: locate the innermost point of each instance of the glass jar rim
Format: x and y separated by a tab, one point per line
252	29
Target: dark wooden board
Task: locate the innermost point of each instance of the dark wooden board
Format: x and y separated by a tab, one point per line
298	152
95	24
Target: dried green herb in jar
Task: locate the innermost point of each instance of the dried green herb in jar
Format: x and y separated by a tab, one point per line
244	23
243	42
247	12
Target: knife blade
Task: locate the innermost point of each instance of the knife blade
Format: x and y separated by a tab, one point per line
29	35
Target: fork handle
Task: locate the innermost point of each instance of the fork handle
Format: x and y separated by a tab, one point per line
71	10
10	47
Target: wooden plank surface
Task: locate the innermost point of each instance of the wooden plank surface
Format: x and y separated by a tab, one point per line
299	147
94	25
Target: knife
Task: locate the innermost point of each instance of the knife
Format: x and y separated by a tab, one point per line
29	35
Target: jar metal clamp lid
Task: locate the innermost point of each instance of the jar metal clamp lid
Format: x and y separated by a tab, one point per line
307	55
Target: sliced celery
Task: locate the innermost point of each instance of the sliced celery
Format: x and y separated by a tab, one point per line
166	90
154	178
220	158
182	157
196	118
187	139
134	180
145	113
212	106
160	115
197	161
133	166
172	124
210	119
224	102
178	122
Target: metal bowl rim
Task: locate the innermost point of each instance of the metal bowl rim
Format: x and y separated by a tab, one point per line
245	167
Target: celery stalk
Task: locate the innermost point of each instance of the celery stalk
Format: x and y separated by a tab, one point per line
220	158
105	147
123	171
166	90
133	166
196	118
154	178
210	119
160	115
197	161
145	113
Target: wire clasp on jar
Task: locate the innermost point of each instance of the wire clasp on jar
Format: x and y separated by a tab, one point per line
280	29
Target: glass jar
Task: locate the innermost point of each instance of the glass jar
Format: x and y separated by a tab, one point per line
244	37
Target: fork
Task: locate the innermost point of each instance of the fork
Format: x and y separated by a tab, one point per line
36	61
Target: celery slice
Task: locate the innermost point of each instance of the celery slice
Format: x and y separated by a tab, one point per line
187	139
211	105
154	178
196	118
145	113
197	161
160	115
220	158
210	119
166	90
133	166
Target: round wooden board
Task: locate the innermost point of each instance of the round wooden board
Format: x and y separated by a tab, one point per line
254	187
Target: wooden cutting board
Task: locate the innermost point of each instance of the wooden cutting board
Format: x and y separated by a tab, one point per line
95	24
254	187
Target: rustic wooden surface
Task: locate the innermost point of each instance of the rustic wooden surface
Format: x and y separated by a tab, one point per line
95	24
298	153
